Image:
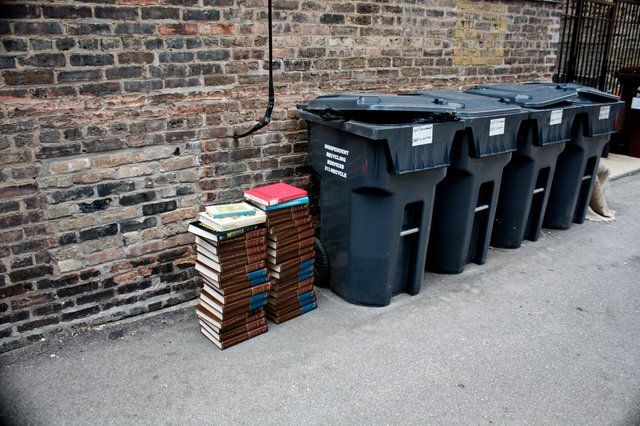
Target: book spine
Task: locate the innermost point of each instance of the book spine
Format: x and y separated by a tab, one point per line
276	245
241	282
292	292
223	236
245	336
292	203
243	329
286	218
242	244
293	314
243	270
290	233
293	224
293	262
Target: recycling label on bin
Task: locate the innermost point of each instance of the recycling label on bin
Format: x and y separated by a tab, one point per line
635	103
556	117
336	159
422	135
496	127
604	112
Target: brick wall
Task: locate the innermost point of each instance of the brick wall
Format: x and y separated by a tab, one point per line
115	117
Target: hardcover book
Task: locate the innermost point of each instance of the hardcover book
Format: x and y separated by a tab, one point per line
220	211
276	193
227	324
204	231
230	298
234	340
234	222
236	331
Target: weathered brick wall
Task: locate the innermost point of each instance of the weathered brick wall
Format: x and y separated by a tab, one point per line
116	118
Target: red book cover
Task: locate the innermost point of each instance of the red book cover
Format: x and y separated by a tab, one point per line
276	193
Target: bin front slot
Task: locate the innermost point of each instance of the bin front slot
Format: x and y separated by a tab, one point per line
586	177
409	231
480	223
536	211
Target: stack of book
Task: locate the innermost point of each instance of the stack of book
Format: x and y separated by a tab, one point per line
290	252
230	243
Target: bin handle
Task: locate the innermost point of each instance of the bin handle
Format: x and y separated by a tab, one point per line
409	232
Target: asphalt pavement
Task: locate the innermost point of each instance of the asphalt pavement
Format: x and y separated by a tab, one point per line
548	333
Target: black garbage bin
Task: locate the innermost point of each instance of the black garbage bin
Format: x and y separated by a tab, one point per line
379	158
578	163
526	180
466	198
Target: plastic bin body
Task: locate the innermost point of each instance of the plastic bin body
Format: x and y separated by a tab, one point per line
527	179
630	94
578	163
377	186
466	199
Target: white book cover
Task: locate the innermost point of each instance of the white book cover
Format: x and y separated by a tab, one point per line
234	222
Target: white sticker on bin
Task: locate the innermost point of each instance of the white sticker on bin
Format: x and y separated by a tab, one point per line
422	135
604	112
496	127
556	117
635	103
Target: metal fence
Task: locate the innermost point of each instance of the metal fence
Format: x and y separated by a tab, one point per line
598	38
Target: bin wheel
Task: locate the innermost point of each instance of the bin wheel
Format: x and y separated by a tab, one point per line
321	265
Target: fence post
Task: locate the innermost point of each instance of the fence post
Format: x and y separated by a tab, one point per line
571	72
602	80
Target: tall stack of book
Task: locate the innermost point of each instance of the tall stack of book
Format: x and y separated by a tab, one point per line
290	252
230	243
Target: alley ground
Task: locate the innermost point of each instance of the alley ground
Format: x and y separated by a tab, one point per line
549	333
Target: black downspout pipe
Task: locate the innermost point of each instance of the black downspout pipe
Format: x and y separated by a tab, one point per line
267	115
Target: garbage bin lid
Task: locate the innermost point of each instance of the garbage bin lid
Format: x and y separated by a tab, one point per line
374	102
527	95
466	105
585	94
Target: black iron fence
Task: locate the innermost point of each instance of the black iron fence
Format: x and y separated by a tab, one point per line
598	38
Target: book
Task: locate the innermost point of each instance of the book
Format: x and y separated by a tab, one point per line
291	240
284	284
237	285
239	295
234	222
297	202
237	308
302	299
278	220
286	292
219	211
278	290
288	255
251	270
203	257
279	318
276	193
236	331
291	233
235	340
203	231
275	214
232	249
306	221
226	324
301	272
231	256
233	277
291	263
294	245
